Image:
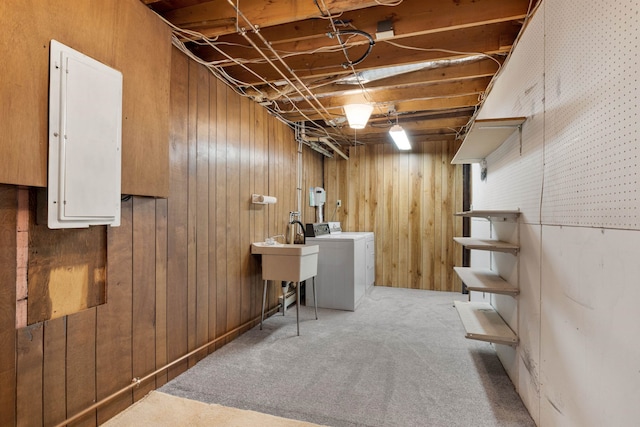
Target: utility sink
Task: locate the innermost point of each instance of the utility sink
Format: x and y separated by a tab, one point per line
284	262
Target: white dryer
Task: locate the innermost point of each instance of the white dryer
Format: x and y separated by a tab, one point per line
345	266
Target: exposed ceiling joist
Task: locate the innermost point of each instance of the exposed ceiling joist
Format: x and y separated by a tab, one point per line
430	73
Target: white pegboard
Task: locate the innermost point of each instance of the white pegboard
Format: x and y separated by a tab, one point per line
592	120
514	178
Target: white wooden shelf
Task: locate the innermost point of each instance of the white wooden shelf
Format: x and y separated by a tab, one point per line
485	280
484	136
487	245
481	322
490	214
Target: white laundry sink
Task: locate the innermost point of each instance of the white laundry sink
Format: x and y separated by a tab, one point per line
284	262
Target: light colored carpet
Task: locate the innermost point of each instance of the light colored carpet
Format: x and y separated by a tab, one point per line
160	409
399	360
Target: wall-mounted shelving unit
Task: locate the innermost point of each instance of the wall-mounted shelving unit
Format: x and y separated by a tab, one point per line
485	280
483	323
480	319
484	137
487	245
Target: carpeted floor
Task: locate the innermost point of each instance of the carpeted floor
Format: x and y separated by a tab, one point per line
400	359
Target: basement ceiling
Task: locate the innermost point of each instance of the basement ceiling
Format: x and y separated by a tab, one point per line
425	64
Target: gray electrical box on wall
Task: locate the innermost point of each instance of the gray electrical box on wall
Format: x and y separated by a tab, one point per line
85	135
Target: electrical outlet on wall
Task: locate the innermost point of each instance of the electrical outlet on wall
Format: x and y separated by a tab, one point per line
339	203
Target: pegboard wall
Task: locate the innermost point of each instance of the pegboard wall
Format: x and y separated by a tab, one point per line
592	118
514	178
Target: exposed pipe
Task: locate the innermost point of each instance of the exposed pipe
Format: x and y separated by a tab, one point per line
135	382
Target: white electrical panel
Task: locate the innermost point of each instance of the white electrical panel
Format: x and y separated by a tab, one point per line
85	133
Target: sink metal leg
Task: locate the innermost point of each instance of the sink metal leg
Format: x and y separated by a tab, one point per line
298	307
315	300
264	301
285	287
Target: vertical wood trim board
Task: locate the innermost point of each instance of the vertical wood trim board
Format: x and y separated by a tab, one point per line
8	264
408	200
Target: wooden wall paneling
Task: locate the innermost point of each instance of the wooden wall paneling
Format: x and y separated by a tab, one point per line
313	176
213	206
404	217
54	371
354	193
378	209
177	216
408	200
437	235
367	189
29	357
429	218
114	321
192	135
251	266
161	289
8	218
81	365
416	209
450	205
330	183
445	220
146	67
202	210
396	217
233	211
244	231
272	182
261	186
144	293
221	210
104	32
455	229
388	201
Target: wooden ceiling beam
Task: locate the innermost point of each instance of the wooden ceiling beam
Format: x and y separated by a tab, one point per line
483	68
433	104
411	18
410	126
490	39
218	17
390	96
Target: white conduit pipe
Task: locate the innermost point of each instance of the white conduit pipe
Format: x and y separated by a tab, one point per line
268	45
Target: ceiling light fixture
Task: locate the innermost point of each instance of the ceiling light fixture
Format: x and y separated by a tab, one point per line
358	114
399	136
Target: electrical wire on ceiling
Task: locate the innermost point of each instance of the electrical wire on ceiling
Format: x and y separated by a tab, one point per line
349	62
364	91
220	73
311	97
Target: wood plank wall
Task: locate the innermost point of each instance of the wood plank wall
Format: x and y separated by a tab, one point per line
408	199
179	270
122	34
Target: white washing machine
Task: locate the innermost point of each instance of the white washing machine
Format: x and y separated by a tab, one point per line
345	266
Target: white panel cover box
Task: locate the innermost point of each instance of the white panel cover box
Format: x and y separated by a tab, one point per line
85	133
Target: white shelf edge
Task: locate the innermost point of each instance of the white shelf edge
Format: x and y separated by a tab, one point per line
483	323
489	214
485	280
484	137
487	245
